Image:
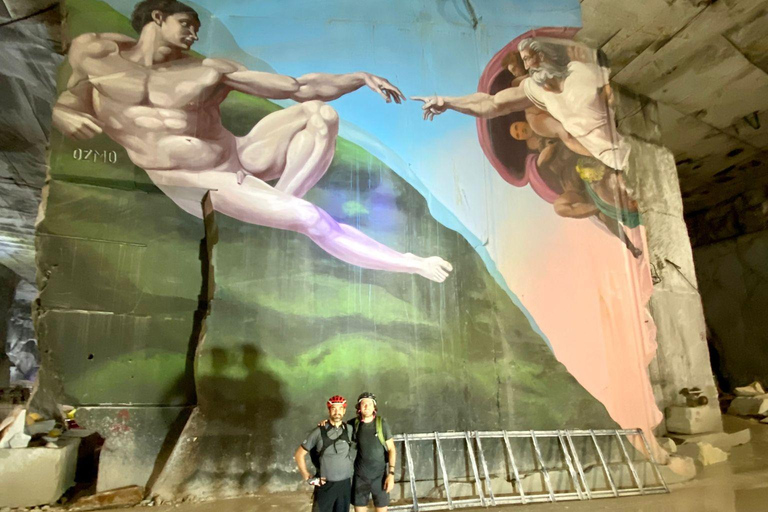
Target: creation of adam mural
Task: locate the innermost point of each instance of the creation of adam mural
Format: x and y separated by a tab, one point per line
254	206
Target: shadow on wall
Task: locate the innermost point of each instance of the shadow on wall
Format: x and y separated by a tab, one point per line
229	436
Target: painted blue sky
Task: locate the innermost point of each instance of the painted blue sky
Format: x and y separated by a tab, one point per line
423	47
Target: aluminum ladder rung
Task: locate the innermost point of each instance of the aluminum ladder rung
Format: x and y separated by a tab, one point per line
478	484
518	482
653	460
580	468
629	463
444	471
411	475
606	469
483	484
544	471
569	463
484	465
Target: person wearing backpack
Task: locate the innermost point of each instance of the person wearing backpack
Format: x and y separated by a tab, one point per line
333	453
374	474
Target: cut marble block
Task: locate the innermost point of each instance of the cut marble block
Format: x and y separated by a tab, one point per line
694	420
37	476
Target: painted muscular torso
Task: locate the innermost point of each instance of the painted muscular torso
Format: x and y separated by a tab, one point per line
166	116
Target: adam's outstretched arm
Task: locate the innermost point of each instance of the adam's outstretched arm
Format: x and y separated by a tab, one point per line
321	86
313	86
478	104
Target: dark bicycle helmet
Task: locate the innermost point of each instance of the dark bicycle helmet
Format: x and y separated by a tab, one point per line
365	395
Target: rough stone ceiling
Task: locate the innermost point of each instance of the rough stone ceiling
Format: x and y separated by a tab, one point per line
706	63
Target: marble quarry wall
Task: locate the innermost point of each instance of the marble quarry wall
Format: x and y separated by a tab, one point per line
731	253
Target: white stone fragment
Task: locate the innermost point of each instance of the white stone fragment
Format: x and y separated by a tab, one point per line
705	453
722	440
41	427
20	440
708	454
668	444
679	469
13	434
749	406
753	389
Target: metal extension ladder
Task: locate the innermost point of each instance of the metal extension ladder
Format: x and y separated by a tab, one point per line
485	496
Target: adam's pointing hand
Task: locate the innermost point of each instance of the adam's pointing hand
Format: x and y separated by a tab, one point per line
382	86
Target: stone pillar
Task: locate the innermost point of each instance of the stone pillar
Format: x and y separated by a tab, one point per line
682	357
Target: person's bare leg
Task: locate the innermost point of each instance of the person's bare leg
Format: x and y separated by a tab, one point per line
295	145
311	151
256	202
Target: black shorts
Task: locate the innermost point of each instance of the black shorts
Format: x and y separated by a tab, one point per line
332	497
363	488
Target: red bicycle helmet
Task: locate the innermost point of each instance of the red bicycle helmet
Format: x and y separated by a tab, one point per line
336	399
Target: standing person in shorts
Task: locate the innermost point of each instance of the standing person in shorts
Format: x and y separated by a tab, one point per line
333	452
376	455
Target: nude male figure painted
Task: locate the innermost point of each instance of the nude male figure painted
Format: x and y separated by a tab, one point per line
162	106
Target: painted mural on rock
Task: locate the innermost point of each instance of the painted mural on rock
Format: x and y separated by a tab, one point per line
239	218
